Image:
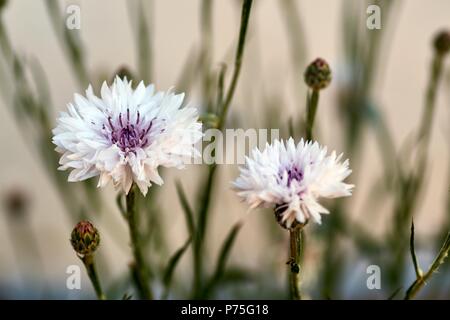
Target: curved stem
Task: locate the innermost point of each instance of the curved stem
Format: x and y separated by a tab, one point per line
88	261
139	269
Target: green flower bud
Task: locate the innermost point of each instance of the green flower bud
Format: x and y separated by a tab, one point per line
210	120
442	42
85	238
318	74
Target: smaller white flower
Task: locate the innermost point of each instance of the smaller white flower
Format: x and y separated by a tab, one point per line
125	135
291	179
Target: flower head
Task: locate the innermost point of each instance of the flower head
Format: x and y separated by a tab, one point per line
125	135
442	42
85	238
292	178
318	74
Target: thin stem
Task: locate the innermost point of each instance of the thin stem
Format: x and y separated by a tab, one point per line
246	7
313	102
427	119
411	188
206	198
295	236
296	36
421	280
220	86
140	274
88	261
70	43
144	43
201	228
206	51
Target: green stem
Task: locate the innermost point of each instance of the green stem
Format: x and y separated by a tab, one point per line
295	236
88	261
140	274
246	7
206	51
144	43
411	187
313	102
206	198
70	43
422	280
427	118
200	234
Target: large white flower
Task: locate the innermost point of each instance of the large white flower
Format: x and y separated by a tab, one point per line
125	135
291	178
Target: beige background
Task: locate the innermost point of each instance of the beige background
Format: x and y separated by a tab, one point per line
108	40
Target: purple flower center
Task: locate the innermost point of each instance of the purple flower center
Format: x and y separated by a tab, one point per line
128	135
293	173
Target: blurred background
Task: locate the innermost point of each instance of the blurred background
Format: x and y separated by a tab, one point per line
372	112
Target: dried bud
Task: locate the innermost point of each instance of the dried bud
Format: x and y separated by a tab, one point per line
318	74
16	203
442	42
85	238
123	72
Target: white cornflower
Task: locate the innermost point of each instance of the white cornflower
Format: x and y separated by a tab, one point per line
125	135
291	179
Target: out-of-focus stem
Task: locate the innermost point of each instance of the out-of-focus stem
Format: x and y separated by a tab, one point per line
295	34
144	44
427	119
200	234
412	183
88	261
141	274
69	43
206	51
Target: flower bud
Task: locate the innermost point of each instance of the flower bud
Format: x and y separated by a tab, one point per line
16	203
123	72
442	42
85	238
210	120
318	74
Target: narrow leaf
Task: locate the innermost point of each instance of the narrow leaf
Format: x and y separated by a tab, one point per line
223	257
120	205
417	269
189	215
173	262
